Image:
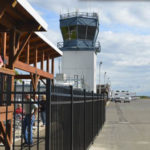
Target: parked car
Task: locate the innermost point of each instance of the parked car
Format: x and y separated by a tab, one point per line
122	98
127	100
117	99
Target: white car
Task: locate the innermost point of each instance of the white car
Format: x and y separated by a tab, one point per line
127	99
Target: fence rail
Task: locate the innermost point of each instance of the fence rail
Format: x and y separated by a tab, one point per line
73	117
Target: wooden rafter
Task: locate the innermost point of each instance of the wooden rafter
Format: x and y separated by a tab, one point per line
21	47
3	7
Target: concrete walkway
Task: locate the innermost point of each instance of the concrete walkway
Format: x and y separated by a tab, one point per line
127	127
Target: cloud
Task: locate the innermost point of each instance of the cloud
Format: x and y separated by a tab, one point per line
125	55
126	60
125	49
132	14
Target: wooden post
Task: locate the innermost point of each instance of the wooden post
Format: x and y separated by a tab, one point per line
28	53
47	64
12	50
52	71
42	61
35	58
4	38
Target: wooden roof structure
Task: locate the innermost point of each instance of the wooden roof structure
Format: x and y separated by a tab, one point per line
30	48
20	15
22	47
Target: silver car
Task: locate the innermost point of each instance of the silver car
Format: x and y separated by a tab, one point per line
127	100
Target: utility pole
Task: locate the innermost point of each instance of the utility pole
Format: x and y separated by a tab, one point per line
100	64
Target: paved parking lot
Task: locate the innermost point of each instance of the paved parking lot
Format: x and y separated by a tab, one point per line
127	127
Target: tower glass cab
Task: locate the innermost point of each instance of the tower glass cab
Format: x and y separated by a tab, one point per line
79	31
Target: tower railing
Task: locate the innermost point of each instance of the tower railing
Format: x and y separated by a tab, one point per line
78	14
95	46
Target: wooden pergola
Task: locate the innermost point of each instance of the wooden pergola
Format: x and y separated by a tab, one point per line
22	47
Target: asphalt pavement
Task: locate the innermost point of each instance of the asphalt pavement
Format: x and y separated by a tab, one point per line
127	127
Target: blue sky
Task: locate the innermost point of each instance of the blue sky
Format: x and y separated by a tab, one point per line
124	36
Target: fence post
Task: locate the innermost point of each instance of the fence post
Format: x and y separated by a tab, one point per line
92	118
84	119
71	92
48	116
97	113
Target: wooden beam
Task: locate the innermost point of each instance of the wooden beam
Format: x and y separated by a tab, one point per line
25	76
25	67
7	71
42	61
21	48
8	21
3	109
3	7
30	27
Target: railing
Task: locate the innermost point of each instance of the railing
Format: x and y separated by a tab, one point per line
73	117
96	46
79	14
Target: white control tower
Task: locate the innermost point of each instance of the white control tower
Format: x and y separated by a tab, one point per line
79	31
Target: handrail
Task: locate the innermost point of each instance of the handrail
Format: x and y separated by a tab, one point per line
79	14
95	46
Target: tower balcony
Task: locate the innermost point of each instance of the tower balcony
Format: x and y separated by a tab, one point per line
79	45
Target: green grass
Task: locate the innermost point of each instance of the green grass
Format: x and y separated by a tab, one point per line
144	97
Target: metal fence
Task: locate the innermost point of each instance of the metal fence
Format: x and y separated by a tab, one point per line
73	118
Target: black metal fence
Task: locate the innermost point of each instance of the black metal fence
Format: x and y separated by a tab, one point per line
73	117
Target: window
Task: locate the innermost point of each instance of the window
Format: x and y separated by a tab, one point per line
81	32
91	33
65	33
73	32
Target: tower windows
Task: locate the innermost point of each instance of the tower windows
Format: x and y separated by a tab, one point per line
78	32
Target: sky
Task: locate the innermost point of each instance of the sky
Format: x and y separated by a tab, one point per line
124	36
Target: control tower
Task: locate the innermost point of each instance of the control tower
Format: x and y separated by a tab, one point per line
79	46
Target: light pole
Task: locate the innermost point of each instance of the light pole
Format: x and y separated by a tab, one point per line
104	77
100	64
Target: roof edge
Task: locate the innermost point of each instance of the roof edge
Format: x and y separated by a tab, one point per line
42	36
26	5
